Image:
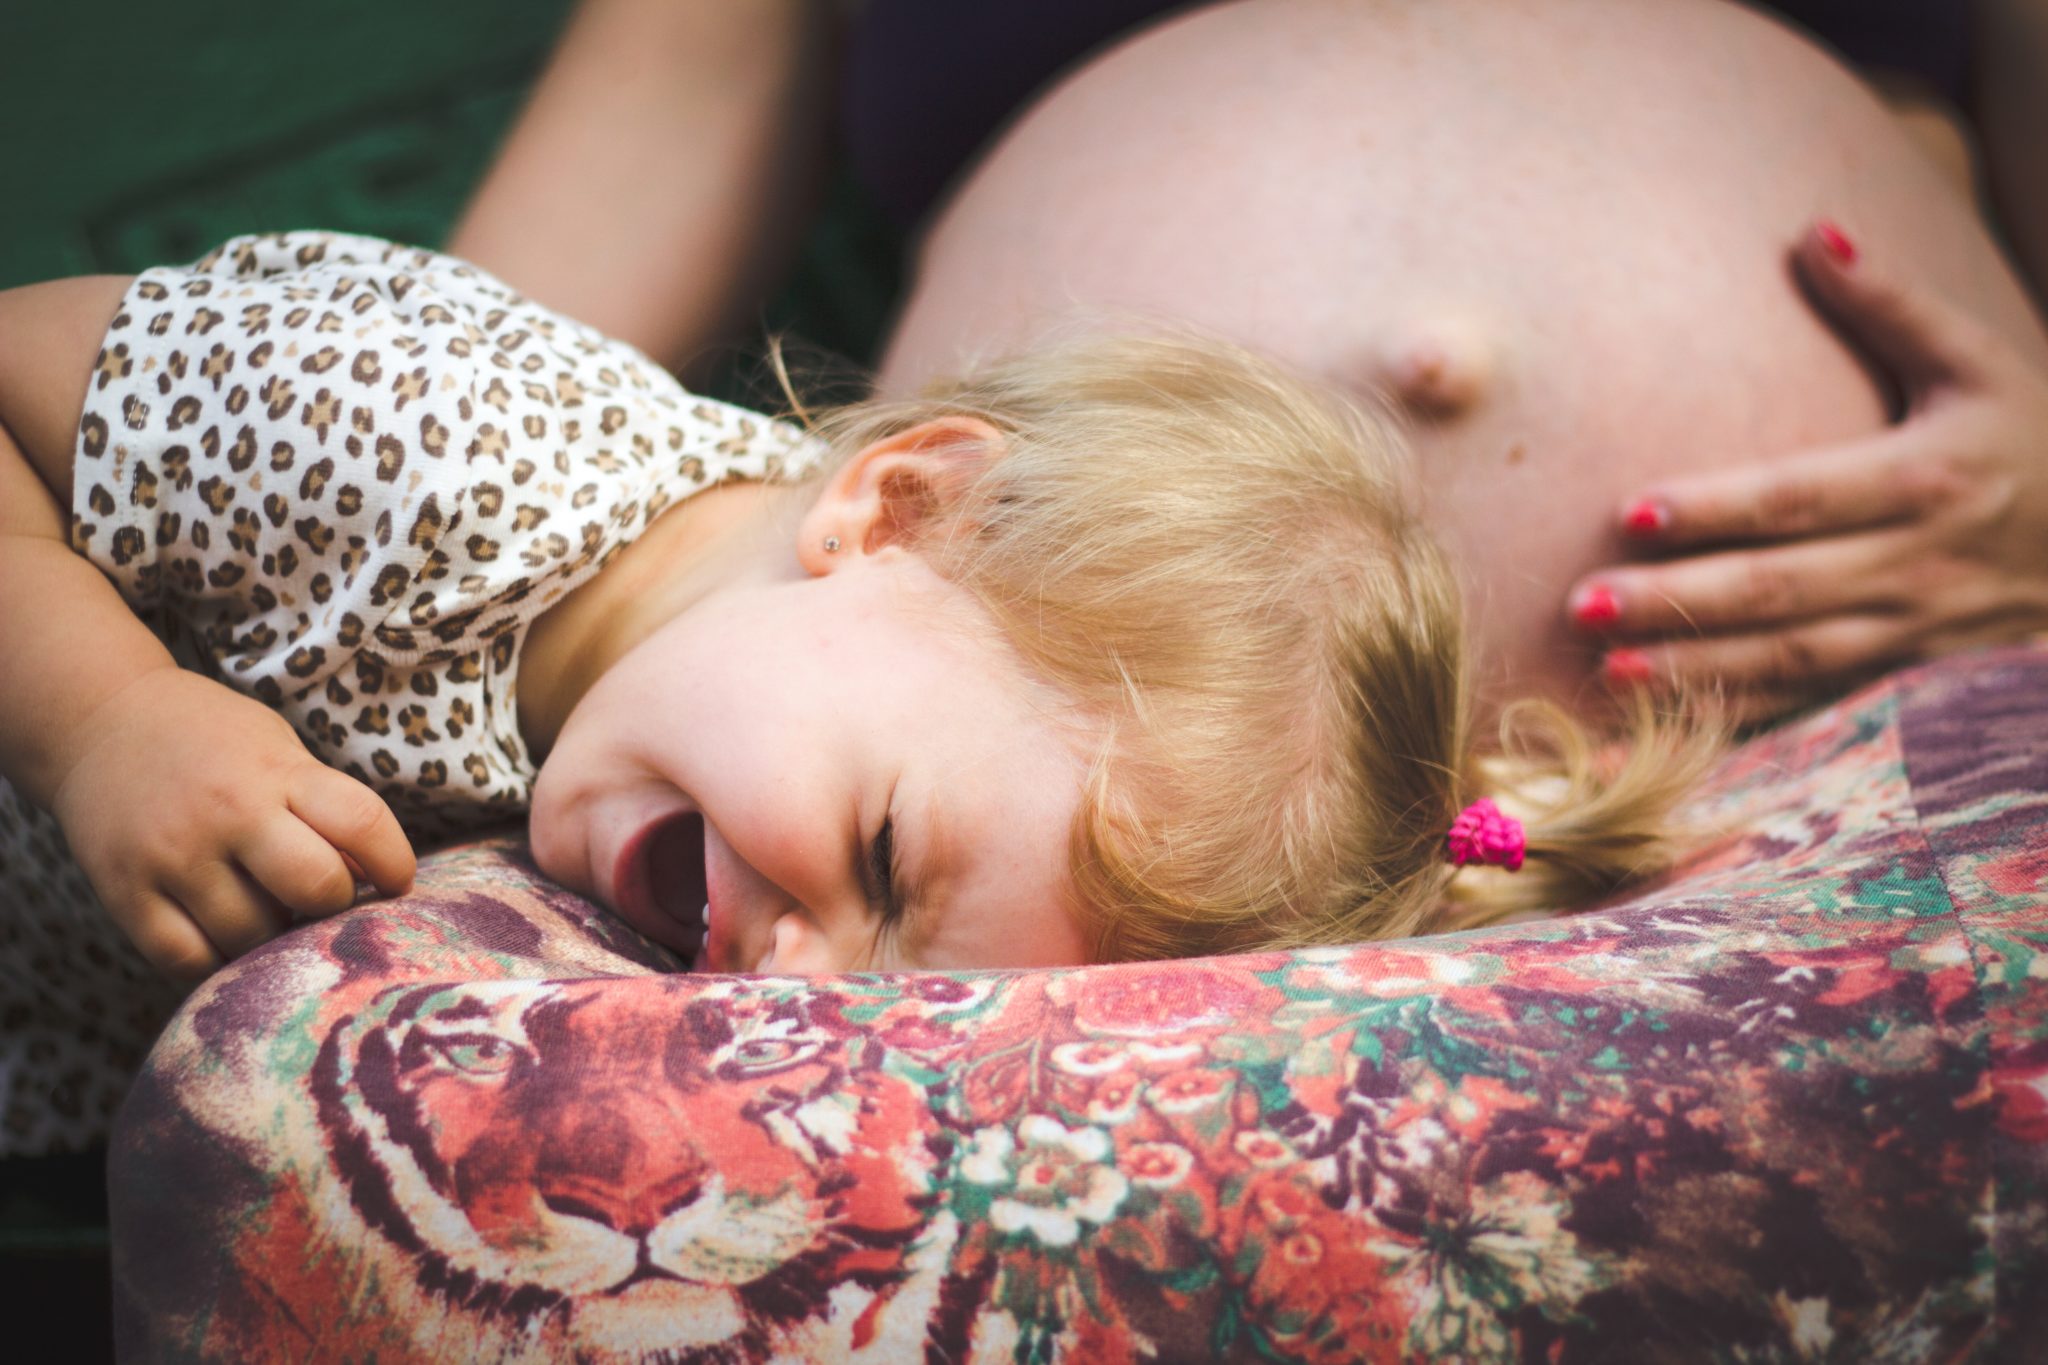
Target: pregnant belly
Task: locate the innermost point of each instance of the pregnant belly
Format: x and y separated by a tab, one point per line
1555	234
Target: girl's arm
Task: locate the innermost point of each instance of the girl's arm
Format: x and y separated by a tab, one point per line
196	813
68	643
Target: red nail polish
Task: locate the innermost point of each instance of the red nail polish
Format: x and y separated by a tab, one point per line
1595	605
1626	667
1647	518
1836	241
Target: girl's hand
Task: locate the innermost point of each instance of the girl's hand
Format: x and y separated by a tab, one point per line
204	824
1929	535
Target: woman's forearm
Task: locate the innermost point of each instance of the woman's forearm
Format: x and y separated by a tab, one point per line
656	179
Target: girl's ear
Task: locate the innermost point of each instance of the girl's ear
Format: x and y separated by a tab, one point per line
885	492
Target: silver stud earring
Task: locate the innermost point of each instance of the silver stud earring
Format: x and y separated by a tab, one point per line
831	545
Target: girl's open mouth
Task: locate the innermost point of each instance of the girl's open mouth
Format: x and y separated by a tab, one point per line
660	883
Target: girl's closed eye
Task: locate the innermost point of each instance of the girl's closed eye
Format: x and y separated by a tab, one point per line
882	867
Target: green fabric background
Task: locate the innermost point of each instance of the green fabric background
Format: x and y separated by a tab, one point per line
137	134
141	133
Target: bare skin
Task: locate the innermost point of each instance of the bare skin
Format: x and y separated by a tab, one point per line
1557	234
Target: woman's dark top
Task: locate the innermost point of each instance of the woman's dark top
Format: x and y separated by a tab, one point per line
928	83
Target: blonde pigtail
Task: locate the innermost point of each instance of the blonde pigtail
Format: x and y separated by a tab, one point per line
1596	815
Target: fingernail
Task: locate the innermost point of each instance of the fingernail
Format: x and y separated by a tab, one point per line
1647	518
1626	668
1596	605
1836	241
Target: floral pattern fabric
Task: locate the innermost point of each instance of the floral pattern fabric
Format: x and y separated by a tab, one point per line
1789	1104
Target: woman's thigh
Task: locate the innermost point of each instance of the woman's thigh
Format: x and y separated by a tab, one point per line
1557	233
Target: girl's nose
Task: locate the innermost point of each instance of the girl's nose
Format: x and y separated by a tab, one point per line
797	946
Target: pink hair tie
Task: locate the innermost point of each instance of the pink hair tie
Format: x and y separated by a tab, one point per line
1482	834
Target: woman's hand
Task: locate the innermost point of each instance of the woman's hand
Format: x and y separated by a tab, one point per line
1801	575
204	824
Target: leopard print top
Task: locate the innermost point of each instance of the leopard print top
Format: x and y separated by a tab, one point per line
342	476
353	473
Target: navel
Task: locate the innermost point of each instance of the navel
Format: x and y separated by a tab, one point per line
1436	368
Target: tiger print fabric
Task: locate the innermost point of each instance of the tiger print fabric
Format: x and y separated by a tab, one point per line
342	476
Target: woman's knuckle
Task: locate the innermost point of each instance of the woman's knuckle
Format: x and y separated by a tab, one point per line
1766	589
1938	480
1790	508
1941	574
1794	658
1804	658
1915	486
1741	518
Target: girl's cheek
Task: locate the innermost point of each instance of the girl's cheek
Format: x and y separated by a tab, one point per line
555	835
543	841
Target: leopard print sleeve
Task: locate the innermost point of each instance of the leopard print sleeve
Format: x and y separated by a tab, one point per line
343	476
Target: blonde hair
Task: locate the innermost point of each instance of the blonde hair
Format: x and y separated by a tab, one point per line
1221	563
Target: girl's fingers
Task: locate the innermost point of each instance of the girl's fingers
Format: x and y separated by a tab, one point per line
298	867
1744	589
1785	662
1865	482
1912	333
229	907
169	938
355	820
355	869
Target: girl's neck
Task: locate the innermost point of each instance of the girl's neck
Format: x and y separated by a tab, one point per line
709	539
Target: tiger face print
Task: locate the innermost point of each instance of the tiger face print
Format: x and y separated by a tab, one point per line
650	1167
